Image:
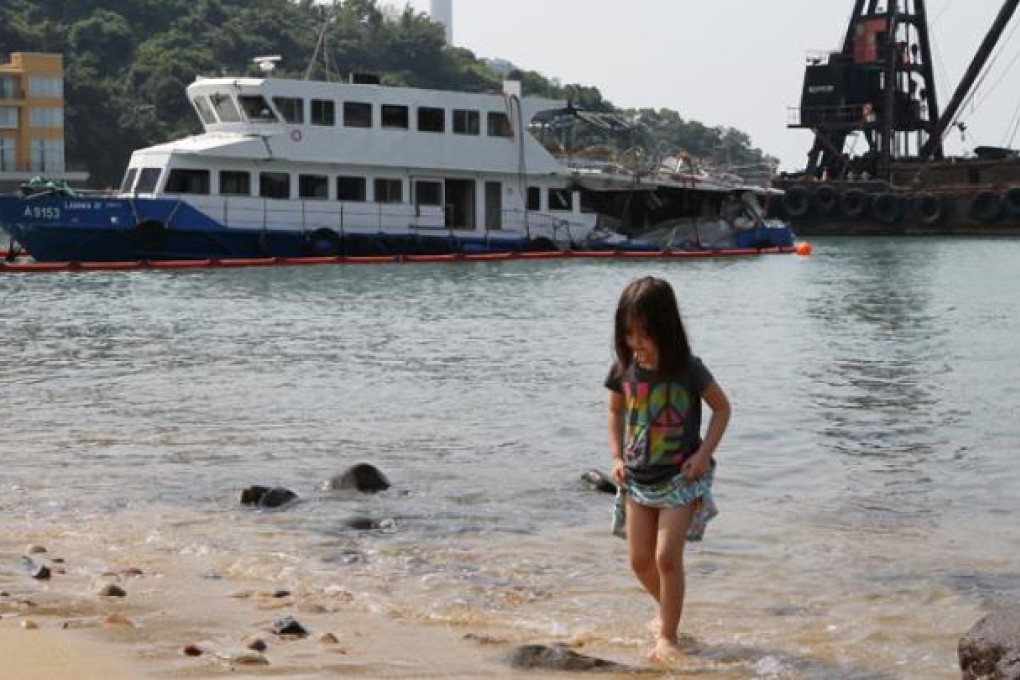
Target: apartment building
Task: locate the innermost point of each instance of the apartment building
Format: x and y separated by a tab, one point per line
32	120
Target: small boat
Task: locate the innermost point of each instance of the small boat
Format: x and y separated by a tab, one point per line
879	89
288	168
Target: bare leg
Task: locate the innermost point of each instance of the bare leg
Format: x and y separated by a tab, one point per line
642	534
669	561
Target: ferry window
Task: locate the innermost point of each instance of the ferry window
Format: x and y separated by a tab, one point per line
351	189
274	185
129	180
8	153
394	116
225	108
184	181
323	112
148	178
389	191
584	199
313	186
561	200
428	193
431	119
357	114
235	183
466	122
291	108
205	111
256	108
499	125
534	198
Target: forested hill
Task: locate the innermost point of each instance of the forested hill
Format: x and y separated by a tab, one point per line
127	63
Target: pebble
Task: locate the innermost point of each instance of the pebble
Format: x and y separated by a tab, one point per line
328	639
41	573
112	590
35	549
193	650
255	644
29	624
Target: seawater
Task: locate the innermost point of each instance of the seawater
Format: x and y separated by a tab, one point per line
866	484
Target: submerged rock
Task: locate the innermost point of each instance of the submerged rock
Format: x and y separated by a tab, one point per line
559	658
599	481
363	477
990	650
266	497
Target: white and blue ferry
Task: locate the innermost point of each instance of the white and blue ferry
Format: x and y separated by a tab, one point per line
292	168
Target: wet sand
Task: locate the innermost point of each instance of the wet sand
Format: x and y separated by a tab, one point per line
64	627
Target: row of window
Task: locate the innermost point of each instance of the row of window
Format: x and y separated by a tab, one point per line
220	107
347	188
45	155
38	86
37	117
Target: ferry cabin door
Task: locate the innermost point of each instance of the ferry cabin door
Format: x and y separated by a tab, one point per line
460	204
428	201
493	206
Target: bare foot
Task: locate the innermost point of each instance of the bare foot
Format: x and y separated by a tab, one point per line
665	650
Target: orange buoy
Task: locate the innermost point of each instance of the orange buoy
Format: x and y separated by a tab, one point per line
803	249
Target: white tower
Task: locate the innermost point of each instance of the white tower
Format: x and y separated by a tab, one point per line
441	12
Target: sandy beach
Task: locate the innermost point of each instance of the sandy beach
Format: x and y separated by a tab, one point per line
68	627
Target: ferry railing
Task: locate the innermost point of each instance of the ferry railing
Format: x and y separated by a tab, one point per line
307	215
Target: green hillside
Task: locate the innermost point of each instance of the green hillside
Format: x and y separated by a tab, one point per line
127	63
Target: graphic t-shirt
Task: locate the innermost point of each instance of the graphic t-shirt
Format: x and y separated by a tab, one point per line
663	419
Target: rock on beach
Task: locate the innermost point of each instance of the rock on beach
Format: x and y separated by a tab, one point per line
990	650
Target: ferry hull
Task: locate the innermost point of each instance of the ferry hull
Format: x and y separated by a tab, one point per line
55	228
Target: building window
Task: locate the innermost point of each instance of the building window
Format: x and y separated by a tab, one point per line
8	154
427	192
256	108
148	179
291	108
389	191
225	108
8	87
184	181
499	125
129	180
323	112
205	111
8	118
46	155
534	198
357	114
351	189
46	118
394	116
431	119
313	186
45	86
466	122
274	185
235	183
561	200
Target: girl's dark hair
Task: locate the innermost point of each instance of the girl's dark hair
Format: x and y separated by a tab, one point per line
651	304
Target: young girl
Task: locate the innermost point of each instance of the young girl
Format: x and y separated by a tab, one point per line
660	460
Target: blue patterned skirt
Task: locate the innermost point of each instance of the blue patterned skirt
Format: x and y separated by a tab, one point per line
672	493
